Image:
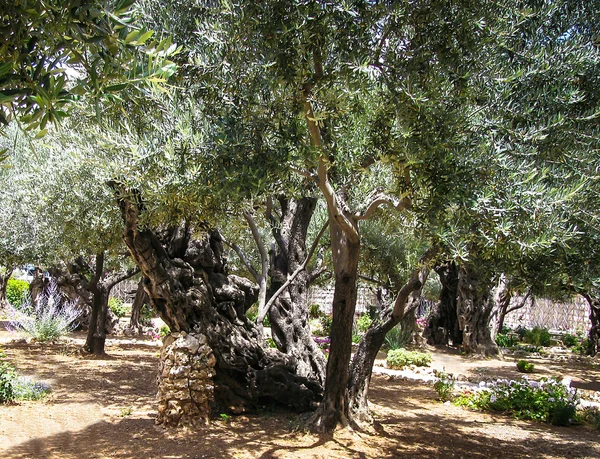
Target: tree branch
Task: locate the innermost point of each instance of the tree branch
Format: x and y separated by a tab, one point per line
242	256
264	259
379	200
290	279
117	278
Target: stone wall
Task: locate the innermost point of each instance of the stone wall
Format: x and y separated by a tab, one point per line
185	385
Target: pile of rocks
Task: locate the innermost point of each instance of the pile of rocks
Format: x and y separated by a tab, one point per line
185	385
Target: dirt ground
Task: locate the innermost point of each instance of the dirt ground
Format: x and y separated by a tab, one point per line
104	408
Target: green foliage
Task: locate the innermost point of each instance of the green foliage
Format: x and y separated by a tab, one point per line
444	385
525	367
363	323
117	307
100	40
325	322
397	338
7	376
49	319
503	340
570	340
547	400
581	347
271	343
252	312
314	311
538	336
146	315
16	291
164	331
400	358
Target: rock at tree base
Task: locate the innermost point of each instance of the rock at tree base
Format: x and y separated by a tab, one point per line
185	384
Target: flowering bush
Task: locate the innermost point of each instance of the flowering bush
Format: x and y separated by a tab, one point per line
50	318
444	385
422	323
323	343
548	400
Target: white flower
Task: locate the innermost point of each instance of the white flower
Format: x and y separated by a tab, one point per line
482	384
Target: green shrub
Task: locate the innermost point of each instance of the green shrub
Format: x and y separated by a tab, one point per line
504	340
325	322
117	307
547	400
581	347
49	319
400	358
314	311
570	340
271	343
524	366
538	337
252	312
16	291
164	331
397	338
444	386
363	323
7	376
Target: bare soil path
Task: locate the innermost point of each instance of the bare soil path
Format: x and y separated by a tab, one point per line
104	408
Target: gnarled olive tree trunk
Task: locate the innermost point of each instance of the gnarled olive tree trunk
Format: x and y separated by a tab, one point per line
5	274
289	313
442	326
141	298
189	287
474	309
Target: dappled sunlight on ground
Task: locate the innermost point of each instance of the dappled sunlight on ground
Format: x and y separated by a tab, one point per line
105	407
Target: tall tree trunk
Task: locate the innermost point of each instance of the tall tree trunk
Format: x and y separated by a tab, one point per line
594	332
96	336
364	358
189	287
442	326
334	409
474	309
141	297
5	274
289	313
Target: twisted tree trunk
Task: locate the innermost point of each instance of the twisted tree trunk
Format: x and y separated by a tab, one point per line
4	277
189	287
364	358
474	309
289	313
442	325
141	298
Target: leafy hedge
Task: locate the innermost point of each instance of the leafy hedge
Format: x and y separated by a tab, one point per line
16	291
400	358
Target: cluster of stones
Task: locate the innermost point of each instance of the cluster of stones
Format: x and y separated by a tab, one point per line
185	385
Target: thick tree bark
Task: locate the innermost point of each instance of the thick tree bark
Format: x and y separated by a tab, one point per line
474	309
442	326
189	287
141	298
333	408
37	285
364	358
96	336
594	332
289	313
4	276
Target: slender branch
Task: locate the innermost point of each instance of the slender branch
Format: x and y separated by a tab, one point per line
400	303
264	260
521	304
373	280
120	277
242	256
305	172
379	200
290	279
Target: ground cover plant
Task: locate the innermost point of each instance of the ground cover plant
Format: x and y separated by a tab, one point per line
400	358
547	400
